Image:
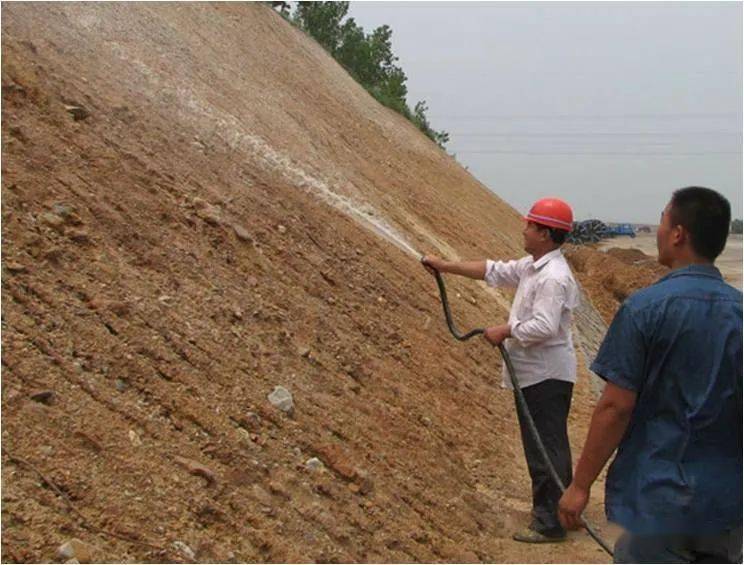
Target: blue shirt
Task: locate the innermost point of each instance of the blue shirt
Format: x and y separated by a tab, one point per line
678	344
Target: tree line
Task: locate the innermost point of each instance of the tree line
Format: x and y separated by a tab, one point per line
367	57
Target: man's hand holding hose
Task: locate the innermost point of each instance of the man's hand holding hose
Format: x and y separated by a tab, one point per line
495	335
433	264
475	270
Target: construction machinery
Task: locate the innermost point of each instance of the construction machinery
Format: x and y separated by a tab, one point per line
616	230
592	231
588	231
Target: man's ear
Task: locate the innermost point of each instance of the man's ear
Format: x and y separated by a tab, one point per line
680	236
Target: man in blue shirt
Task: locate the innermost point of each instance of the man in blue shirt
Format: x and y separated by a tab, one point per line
672	404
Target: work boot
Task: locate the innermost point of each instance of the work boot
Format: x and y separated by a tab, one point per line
528	535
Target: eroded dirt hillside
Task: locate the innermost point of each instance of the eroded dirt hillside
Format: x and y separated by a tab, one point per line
192	203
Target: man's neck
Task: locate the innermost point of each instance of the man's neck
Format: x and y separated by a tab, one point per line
538	254
681	262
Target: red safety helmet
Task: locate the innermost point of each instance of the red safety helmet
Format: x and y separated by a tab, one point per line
551	212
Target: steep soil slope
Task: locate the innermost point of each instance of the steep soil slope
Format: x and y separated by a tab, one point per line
193	200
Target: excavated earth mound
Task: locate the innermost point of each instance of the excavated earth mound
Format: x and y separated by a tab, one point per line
199	205
609	277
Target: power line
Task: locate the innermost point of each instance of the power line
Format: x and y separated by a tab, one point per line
595	134
585	116
548	153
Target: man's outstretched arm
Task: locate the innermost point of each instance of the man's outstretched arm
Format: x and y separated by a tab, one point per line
609	422
471	269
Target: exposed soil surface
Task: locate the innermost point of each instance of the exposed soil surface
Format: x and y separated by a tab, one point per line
610	276
200	205
729	262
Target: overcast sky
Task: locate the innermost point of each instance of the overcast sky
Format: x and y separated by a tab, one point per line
608	105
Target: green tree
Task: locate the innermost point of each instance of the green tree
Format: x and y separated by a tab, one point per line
353	52
736	226
422	122
322	20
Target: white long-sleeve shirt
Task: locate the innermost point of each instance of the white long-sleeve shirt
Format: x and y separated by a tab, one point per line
541	346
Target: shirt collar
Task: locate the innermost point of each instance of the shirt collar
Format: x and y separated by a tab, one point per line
545	259
694	270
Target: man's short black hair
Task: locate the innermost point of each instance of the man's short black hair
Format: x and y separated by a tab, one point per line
556	235
706	215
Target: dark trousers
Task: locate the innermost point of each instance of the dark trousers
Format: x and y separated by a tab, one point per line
548	402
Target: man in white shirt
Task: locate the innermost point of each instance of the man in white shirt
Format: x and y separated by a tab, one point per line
538	339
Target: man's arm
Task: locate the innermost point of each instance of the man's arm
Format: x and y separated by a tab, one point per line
471	269
609	423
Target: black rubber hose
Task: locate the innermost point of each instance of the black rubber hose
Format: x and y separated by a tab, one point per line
519	395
